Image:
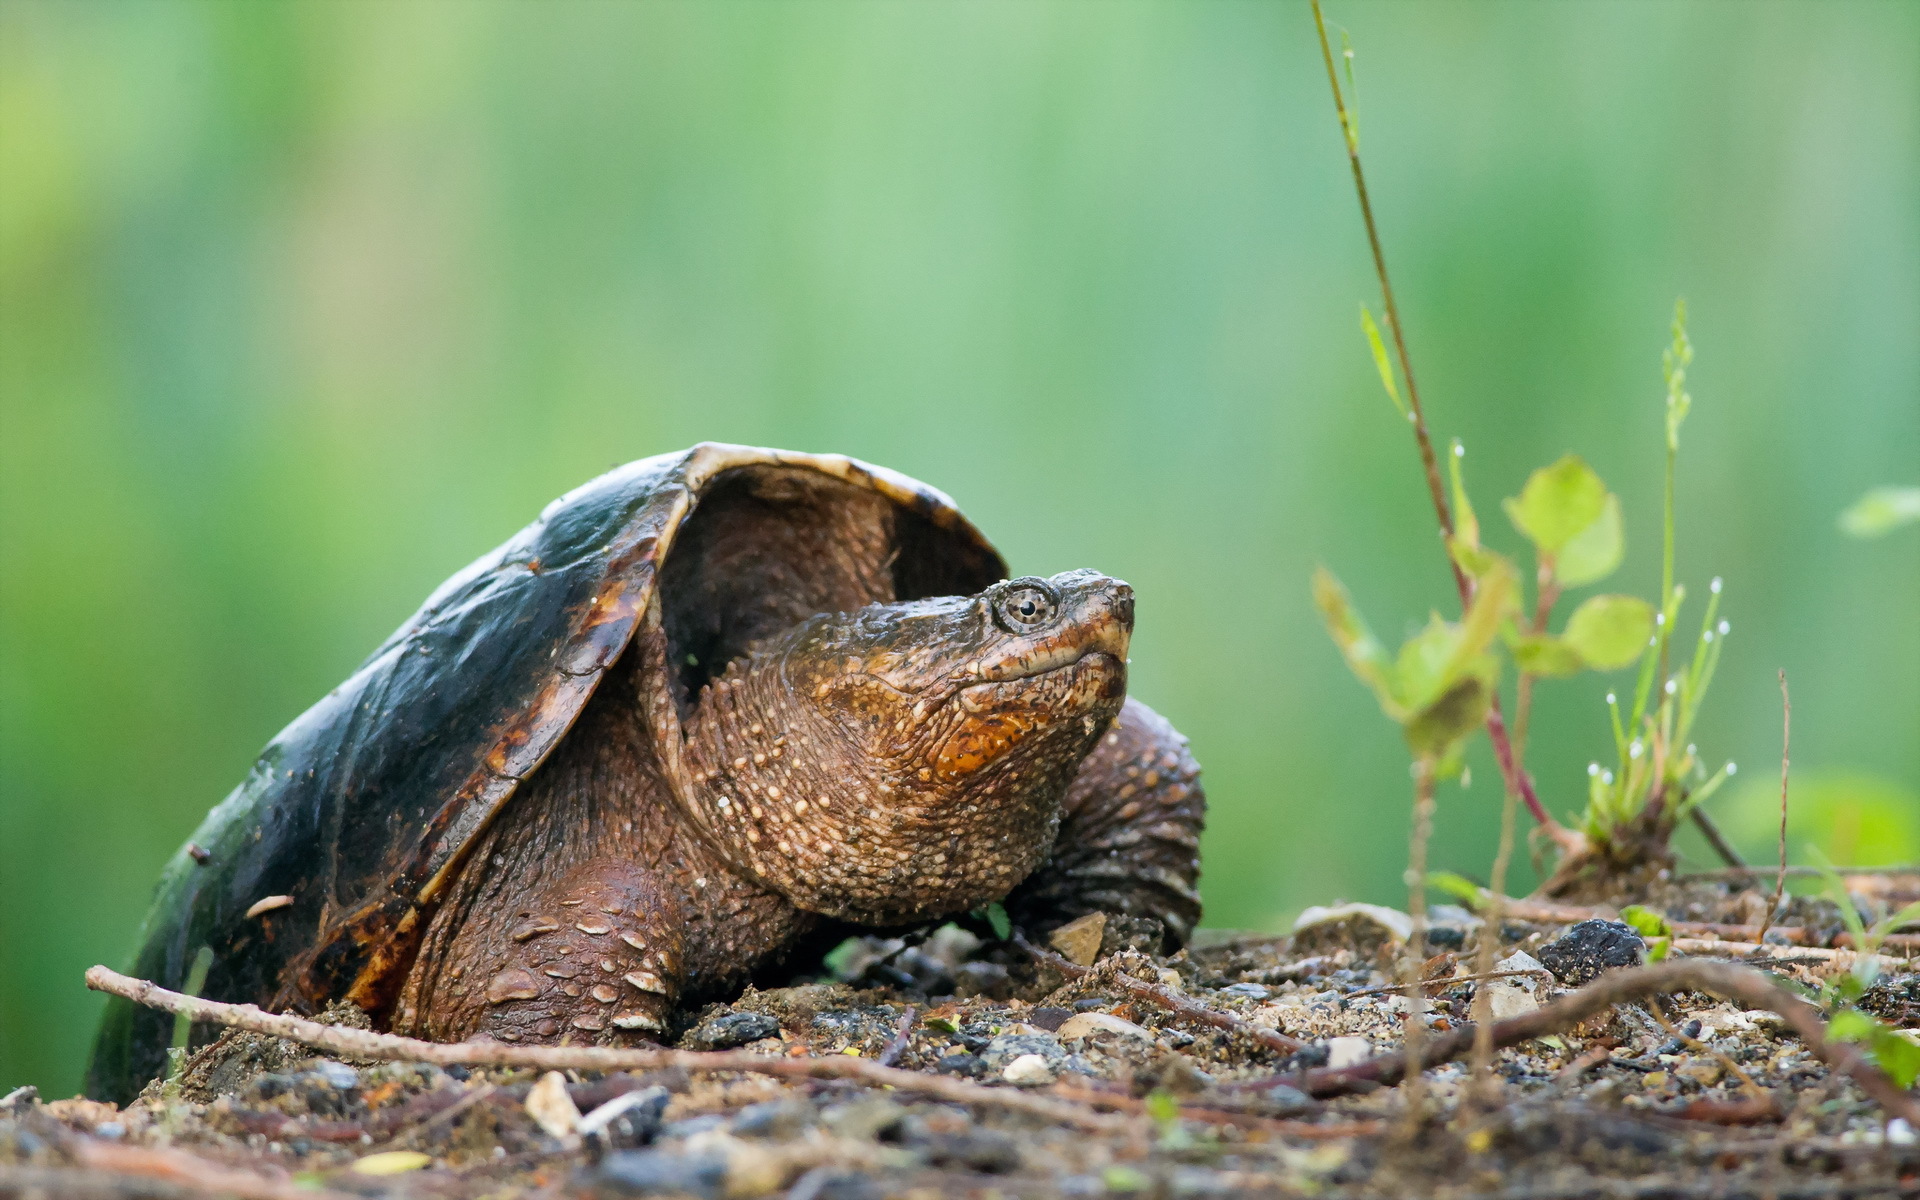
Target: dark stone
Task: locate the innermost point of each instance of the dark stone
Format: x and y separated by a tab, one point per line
654	1172
636	1123
1048	1018
773	1119
1589	948
982	979
830	1183
732	1029
985	1150
972	1066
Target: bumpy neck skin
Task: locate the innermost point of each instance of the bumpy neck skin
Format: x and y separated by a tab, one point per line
908	761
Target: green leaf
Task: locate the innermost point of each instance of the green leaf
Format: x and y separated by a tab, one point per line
392	1162
1124	1179
1458	711
1162	1107
1880	511
1466	526
1850	1025
1646	921
1465	890
997	917
1421	669
1658	949
1593	554
1380	360
1897	1055
1609	632
1558	503
1546	656
1365	656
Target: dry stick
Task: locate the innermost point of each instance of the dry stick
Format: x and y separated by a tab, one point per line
360	1043
1511	771
1308	1130
902	1034
1715	838
1744	985
1734	873
1416	1025
1170	1000
102	1161
1700	1047
1786	745
1485	1084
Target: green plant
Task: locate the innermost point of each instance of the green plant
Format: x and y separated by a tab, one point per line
1658	777
1881	510
1889	1047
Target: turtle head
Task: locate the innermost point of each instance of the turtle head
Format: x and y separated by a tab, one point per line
908	760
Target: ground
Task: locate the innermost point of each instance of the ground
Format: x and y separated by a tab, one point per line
1698	1098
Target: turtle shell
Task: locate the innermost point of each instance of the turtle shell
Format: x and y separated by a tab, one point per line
310	881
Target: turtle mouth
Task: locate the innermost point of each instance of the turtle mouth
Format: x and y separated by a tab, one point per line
1085	676
1107	639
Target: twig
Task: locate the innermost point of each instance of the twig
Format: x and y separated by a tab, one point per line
1738	873
1786	745
1173	1002
1443	982
1308	1130
1546	912
902	1035
1700	1047
194	1175
1744	985
1716	839
1511	771
360	1043
1415	956
1486	1085
1691	945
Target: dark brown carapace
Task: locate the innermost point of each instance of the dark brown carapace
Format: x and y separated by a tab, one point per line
709	708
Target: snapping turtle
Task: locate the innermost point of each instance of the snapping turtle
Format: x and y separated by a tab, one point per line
709	706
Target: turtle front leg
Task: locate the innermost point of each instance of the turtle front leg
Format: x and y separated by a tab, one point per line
594	958
1129	841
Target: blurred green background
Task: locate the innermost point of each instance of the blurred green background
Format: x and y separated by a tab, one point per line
305	305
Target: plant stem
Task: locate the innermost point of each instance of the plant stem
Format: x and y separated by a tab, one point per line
1512	773
1546	595
1416	955
1786	746
1485	1085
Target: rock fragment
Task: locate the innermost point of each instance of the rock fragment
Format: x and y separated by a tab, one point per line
1590	948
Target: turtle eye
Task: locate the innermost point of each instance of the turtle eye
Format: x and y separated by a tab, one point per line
1024	608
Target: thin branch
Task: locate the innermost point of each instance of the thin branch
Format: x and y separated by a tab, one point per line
902	1035
1743	985
112	1167
1715	838
360	1043
1418	416
1415	956
1306	1130
1512	773
1171	1001
1786	747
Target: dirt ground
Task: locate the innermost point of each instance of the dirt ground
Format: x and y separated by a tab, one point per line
1694	1098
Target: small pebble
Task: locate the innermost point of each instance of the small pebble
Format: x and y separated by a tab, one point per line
1028	1070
